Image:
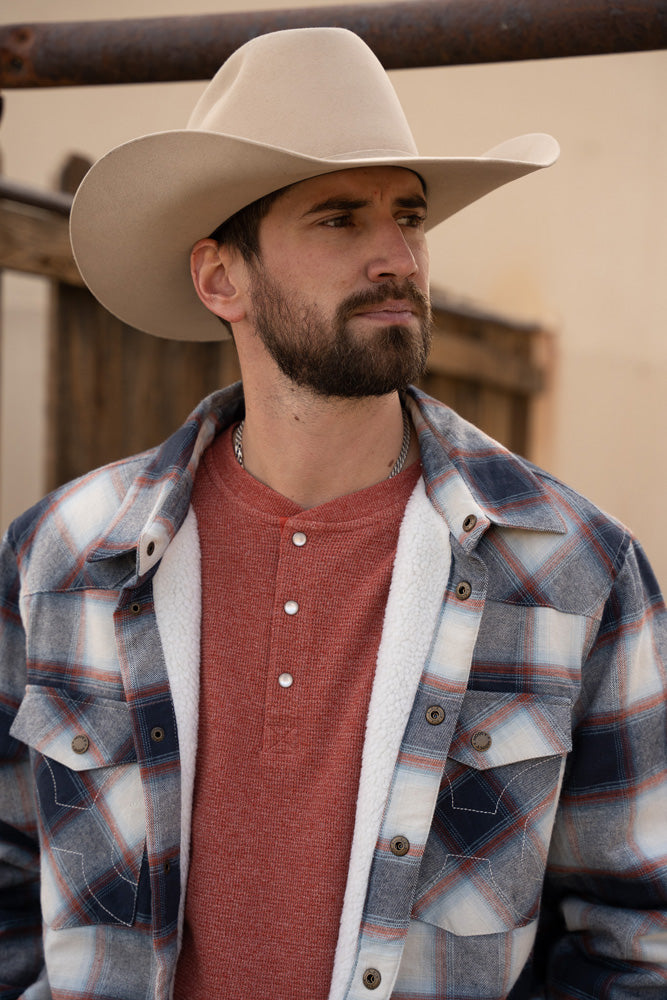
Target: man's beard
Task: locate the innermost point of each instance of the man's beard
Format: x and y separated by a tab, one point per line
326	357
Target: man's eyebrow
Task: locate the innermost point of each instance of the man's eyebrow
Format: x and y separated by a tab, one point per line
338	203
412	201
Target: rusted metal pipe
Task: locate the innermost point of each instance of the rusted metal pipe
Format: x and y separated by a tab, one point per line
408	34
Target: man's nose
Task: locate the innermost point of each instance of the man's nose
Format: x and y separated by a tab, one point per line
391	255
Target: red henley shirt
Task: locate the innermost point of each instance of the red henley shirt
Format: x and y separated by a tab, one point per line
292	609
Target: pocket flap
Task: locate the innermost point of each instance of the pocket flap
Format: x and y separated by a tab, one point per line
80	733
495	729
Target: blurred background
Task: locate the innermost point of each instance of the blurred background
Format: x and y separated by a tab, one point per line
570	262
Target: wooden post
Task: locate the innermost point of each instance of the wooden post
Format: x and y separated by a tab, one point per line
113	390
491	370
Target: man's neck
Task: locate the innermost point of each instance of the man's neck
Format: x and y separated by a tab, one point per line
313	449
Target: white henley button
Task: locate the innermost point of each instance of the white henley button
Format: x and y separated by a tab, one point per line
299	539
285	680
290	607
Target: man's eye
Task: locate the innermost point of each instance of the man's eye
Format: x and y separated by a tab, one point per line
337	221
414	219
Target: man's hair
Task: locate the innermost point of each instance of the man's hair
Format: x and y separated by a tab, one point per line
241	231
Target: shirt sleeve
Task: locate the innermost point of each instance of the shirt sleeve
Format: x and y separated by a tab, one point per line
604	931
20	918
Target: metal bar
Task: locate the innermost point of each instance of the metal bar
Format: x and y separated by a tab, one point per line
407	34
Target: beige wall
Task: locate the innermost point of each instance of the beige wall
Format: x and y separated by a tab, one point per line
582	246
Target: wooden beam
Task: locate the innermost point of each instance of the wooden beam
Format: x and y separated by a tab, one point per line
36	242
53	201
479	362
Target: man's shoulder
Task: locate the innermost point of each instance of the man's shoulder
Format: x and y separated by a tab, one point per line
84	507
70	518
499	477
537	517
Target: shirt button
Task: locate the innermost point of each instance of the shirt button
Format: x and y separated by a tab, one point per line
80	743
435	715
299	539
285	680
150	548
290	607
480	740
399	846
463	590
157	734
371	979
469	522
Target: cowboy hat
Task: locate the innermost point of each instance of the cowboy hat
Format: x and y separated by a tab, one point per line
285	107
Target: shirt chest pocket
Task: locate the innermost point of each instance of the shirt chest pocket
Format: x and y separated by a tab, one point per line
486	854
90	805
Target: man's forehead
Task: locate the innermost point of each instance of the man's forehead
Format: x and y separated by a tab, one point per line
396	181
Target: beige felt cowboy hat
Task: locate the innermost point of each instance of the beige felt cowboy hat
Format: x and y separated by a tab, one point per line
284	107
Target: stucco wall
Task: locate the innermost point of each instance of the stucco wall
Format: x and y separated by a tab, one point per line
581	247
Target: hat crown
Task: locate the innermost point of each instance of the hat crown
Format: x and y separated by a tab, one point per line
320	92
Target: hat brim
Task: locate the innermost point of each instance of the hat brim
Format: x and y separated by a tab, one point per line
141	208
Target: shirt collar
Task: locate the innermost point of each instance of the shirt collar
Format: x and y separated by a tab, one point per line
158	499
473	480
470	478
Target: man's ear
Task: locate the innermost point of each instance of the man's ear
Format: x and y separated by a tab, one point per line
216	275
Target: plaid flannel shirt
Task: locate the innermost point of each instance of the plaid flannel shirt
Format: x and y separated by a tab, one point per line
529	790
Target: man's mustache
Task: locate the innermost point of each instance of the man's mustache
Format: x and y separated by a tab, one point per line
379	294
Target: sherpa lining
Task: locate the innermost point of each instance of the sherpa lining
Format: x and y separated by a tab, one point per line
419	580
177	597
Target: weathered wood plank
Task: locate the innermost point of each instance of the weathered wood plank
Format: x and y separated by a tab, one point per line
115	391
36	242
481	361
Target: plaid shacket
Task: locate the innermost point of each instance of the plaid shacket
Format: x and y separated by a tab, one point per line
521	846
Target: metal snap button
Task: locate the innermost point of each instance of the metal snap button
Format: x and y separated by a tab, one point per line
135	608
469	522
435	715
481	740
285	680
463	590
372	979
290	607
157	734
80	743
150	548
299	539
399	846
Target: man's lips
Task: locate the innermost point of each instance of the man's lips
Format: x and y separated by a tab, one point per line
388	310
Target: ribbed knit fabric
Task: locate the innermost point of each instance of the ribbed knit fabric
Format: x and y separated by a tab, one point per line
278	766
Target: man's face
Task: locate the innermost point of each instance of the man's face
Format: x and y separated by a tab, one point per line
339	295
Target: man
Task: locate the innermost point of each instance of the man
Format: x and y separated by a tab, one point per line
330	695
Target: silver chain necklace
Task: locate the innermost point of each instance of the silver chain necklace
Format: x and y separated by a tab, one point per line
398	465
